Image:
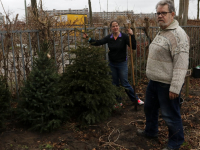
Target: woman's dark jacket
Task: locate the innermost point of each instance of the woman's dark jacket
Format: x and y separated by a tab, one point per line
117	48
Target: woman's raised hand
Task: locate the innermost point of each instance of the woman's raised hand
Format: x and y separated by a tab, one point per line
130	31
85	36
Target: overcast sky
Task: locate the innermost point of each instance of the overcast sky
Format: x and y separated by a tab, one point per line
138	6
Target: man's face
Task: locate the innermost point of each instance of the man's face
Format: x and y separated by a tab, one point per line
164	17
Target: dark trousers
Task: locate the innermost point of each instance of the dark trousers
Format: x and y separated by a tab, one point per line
119	72
157	96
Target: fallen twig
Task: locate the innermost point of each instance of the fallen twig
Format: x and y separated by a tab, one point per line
109	143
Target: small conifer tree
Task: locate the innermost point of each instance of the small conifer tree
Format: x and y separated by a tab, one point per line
5	97
40	105
87	85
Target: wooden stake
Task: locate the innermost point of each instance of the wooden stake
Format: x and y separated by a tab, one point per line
187	86
132	68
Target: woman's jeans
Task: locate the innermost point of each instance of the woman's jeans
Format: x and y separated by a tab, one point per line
157	96
119	72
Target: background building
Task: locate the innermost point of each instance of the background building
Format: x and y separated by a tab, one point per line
101	15
100	18
112	15
55	12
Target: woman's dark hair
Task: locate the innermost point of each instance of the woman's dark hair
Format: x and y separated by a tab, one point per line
112	22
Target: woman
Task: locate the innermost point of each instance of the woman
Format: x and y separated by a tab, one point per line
117	43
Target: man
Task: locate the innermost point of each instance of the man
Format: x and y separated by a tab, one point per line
167	65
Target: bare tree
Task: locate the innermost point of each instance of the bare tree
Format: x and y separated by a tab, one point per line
41	4
198	9
90	12
183	12
34	6
181	6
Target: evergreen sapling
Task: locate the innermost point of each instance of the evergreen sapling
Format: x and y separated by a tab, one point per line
87	85
40	105
5	97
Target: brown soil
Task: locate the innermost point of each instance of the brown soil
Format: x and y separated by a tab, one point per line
116	133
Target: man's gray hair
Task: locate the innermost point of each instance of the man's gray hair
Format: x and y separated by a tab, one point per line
170	4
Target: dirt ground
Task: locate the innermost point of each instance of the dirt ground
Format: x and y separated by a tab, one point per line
116	133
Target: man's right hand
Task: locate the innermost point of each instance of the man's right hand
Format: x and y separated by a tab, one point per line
172	95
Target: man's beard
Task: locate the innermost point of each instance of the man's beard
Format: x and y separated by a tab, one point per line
163	24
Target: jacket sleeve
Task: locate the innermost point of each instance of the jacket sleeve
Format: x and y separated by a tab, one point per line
99	42
180	58
133	41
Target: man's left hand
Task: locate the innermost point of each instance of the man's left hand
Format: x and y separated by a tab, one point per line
172	95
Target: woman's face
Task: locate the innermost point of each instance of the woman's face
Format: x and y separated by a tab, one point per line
115	27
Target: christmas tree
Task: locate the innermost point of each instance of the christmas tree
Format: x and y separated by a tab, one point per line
40	106
87	85
5	97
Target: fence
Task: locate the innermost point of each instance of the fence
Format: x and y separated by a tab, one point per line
19	48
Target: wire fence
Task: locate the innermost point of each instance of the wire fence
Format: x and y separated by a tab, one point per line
18	48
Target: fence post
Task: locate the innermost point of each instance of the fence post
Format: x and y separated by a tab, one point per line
14	65
187	83
105	29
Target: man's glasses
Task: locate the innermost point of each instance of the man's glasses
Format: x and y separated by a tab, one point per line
162	13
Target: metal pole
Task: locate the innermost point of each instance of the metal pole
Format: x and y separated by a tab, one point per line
61	42
106	46
107	10
25	11
14	65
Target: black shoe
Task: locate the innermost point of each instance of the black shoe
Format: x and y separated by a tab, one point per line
142	133
167	148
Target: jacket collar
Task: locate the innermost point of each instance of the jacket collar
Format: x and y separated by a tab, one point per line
120	35
172	26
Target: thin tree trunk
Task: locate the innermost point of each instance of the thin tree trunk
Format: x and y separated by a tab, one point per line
180	13
198	9
185	12
41	5
34	7
90	12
